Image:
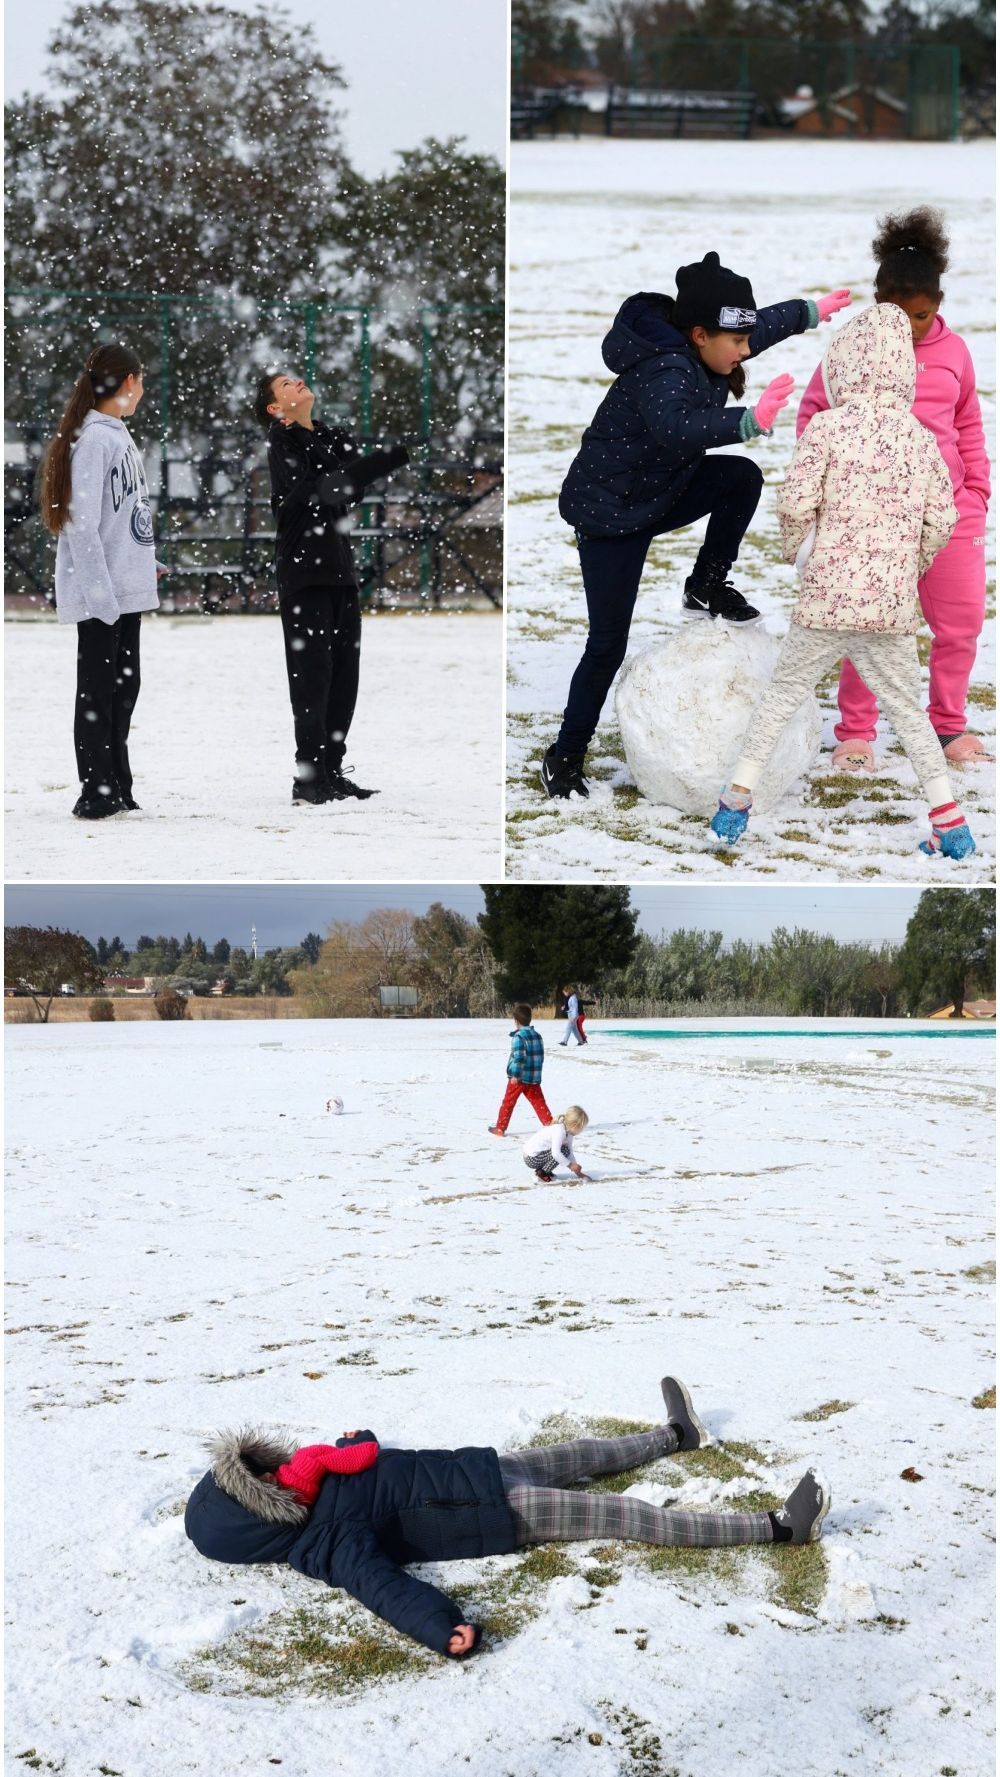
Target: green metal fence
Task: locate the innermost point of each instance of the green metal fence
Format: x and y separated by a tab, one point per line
430	374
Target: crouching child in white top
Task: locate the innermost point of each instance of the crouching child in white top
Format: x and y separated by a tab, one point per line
548	1147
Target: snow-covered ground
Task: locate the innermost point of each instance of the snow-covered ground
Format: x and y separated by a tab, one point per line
590	223
798	1226
213	754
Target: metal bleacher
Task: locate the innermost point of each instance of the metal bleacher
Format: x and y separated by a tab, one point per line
642	111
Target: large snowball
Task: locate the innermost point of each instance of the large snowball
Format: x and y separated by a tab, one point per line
684	707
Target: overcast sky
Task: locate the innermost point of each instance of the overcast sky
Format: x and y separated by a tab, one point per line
283	913
414	68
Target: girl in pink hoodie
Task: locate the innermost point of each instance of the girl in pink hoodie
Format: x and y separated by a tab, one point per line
912	254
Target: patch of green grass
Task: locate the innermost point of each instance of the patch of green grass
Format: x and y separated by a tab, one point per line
988	1398
323	1649
626	796
983	696
827	1410
834	791
796	835
985	1273
642	1747
886	818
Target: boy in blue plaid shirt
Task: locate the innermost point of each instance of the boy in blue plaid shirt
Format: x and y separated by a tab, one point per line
524	1072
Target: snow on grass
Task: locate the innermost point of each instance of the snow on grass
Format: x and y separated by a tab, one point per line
213	757
800	1228
590	223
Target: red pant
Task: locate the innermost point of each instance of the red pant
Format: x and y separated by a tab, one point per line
533	1094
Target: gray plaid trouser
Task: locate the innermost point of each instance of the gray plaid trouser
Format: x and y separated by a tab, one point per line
535	1482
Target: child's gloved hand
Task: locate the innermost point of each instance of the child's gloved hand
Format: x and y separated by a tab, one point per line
830	305
776	396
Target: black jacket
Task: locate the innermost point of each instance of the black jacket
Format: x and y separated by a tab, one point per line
412	1506
657	420
316	477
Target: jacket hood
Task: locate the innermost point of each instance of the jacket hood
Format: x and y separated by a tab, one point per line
240	1458
93	418
872	358
641	330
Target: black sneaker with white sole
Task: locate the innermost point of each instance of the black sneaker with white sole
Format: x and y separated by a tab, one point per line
682	1416
707	593
309	793
562	774
805	1508
341	789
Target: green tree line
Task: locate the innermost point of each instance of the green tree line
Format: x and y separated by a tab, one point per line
529	942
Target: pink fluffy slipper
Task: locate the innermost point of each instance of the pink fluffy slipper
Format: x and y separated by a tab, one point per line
963	748
854	755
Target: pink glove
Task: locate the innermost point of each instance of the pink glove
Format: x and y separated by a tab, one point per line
829	305
304	1473
776	396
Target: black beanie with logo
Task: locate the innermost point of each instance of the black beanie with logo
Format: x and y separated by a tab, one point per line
710	295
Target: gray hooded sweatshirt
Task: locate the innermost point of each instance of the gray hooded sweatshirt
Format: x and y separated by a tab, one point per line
105	558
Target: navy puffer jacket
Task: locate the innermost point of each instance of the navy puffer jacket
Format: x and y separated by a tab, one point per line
658	418
411	1506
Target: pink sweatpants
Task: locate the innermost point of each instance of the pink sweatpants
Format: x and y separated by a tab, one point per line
953	600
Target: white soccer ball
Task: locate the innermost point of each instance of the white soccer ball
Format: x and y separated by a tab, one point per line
684	706
335	1104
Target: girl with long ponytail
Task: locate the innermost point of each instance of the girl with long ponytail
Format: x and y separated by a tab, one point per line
911	254
94	500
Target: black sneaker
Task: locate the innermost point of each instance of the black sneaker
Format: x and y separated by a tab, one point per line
309	793
682	1415
707	593
128	801
562	774
805	1508
98	808
340	788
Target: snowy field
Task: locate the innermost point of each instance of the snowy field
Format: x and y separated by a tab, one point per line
213	756
590	223
799	1227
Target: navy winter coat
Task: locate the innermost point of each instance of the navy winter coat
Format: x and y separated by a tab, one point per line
656	421
411	1506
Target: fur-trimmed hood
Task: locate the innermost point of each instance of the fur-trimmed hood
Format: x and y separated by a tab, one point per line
239	1461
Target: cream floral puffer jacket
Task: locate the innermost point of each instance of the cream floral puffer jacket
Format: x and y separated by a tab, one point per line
871	480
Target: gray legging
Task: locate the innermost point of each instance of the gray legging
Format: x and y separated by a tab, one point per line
535	1482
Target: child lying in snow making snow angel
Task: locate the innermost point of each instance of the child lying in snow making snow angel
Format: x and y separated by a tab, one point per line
407	1506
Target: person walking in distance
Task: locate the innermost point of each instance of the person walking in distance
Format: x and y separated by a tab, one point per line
572	1019
95	502
317	474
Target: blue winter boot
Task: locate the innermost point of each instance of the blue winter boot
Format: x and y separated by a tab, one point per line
950	842
732	815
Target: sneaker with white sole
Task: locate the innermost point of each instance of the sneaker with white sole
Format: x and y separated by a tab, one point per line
805	1508
680	1413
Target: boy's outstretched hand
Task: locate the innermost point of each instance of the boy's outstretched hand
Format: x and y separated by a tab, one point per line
462	1640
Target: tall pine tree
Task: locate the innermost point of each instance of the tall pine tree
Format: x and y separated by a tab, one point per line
543	937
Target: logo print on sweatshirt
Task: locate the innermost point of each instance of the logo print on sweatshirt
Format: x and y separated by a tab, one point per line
141	523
